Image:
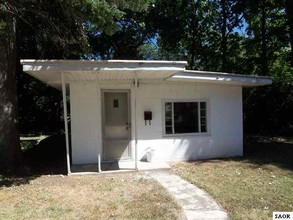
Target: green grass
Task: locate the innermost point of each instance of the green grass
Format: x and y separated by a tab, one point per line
37	194
119	196
251	187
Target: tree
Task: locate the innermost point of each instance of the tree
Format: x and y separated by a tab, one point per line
9	141
267	50
289	12
247	37
54	34
101	15
125	43
267	33
230	17
184	28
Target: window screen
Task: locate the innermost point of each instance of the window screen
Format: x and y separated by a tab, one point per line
185	117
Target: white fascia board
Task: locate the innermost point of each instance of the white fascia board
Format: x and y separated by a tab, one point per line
225	78
93	65
23	61
50	70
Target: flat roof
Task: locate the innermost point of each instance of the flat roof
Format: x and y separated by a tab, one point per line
105	61
222	78
49	71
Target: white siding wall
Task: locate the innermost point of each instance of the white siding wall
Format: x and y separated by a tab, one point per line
225	121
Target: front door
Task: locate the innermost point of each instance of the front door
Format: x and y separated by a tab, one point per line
116	125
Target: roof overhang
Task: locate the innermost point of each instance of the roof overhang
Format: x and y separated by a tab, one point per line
220	78
49	71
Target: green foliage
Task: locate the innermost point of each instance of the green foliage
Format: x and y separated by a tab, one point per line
245	36
149	51
104	14
58	29
268	110
132	33
39	106
267	31
183	28
195	31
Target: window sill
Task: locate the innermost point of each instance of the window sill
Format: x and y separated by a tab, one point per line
186	135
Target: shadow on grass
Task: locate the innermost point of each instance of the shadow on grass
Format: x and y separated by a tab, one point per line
9	181
46	158
263	151
49	157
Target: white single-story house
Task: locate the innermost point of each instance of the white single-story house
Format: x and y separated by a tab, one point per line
120	109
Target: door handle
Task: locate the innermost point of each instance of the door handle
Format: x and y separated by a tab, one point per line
127	126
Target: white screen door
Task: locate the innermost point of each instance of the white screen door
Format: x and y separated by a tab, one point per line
116	126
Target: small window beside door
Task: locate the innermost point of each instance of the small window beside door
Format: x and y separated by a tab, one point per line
185	117
115	103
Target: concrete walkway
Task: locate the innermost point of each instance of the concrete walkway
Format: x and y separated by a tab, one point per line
196	203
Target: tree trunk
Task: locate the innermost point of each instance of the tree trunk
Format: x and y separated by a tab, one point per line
289	12
192	52
9	137
224	36
263	58
194	29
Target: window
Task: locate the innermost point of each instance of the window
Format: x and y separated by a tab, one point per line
185	117
115	103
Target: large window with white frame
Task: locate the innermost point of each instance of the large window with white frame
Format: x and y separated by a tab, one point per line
185	117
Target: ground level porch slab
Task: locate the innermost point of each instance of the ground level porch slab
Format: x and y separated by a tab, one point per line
119	166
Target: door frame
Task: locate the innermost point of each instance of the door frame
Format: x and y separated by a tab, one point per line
127	91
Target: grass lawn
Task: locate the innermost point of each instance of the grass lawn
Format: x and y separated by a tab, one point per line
116	196
41	192
251	187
